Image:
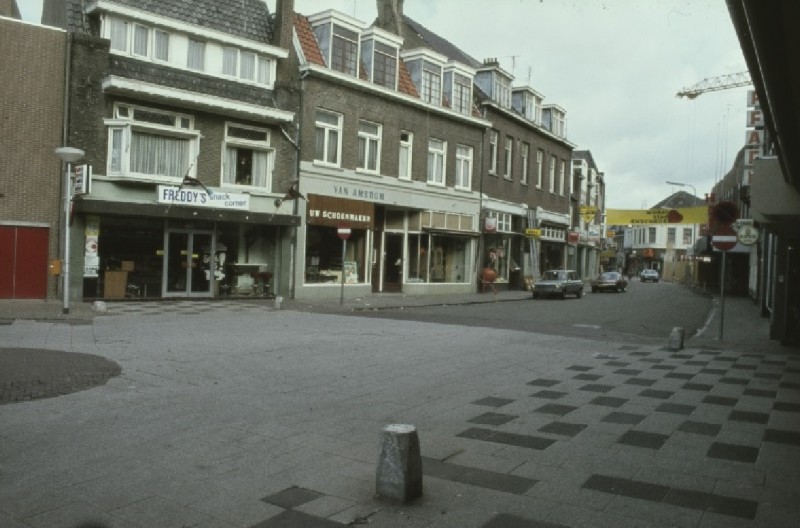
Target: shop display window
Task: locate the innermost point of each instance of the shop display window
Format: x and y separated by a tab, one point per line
438	258
324	263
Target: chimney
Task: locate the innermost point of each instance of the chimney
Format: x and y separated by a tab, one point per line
390	15
284	23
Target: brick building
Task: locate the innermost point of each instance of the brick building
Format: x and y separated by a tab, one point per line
188	153
31	128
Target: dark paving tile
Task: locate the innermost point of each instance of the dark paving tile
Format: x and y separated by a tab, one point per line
563	428
651	360
639	353
652	393
491	418
681	356
663	367
617	363
626	487
748	417
491	401
643	439
296	519
680	375
789	385
734	381
703	428
505	520
697	500
542	382
725	358
580	368
623	418
786	406
696	363
608	401
513	439
291	497
676	408
719	372
767	375
596	387
632	347
761	393
549	395
736	453
476	477
703	387
587	377
642	382
782	437
720	400
774	362
740	366
628	372
555	408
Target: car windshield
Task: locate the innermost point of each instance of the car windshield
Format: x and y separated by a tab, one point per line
611	275
555	275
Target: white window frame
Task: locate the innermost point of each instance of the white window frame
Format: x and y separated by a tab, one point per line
406	152
552	173
342	36
463	167
367	139
123	126
437	158
503	221
539	167
328	129
493	138
193	49
119	42
431	83
462	94
525	150
508	162
160	45
137	40
561	177
260	146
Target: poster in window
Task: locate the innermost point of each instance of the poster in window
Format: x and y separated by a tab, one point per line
350	272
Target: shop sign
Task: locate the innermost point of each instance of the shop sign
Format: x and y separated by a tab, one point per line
82	182
533	233
199	198
335	212
573	237
490	224
91	257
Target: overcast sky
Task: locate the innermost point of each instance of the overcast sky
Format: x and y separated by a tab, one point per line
614	66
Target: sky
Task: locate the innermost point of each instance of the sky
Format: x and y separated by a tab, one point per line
615	66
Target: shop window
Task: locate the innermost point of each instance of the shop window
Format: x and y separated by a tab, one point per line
248	157
324	263
150	143
437	258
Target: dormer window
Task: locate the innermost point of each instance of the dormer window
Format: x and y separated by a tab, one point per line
379	54
426	68
338	38
495	82
554	118
458	87
527	103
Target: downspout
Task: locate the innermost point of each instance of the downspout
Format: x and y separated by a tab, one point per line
296	201
64	139
479	253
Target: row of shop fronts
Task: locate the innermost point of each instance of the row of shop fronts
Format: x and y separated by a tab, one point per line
415	242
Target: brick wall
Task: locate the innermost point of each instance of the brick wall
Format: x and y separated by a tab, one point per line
31	116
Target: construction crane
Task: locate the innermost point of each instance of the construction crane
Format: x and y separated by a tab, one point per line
712	84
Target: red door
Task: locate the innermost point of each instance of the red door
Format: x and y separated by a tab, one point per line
23	262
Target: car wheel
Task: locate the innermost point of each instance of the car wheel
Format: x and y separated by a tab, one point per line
536	296
655	280
563	294
594	290
579	294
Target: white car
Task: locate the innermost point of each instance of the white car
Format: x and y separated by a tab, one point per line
648	275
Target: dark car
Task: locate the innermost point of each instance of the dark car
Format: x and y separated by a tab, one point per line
558	283
648	275
609	281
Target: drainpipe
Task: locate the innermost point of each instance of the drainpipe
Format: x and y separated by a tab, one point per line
64	139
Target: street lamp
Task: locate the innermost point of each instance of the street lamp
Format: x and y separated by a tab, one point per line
694	203
68	155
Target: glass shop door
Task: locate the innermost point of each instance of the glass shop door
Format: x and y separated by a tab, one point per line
188	266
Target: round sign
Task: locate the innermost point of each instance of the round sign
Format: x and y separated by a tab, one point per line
343	232
724	239
747	235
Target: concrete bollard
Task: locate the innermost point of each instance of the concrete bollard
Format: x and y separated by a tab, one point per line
99	307
676	338
278	301
399	474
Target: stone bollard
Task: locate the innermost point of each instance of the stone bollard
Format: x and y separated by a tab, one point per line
278	301
399	474
99	307
676	338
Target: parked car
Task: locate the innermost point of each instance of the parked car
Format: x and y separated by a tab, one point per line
609	281
648	275
558	283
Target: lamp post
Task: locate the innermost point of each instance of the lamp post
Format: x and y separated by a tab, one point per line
68	155
694	203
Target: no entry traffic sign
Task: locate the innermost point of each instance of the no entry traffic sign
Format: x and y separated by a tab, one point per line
343	232
724	239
